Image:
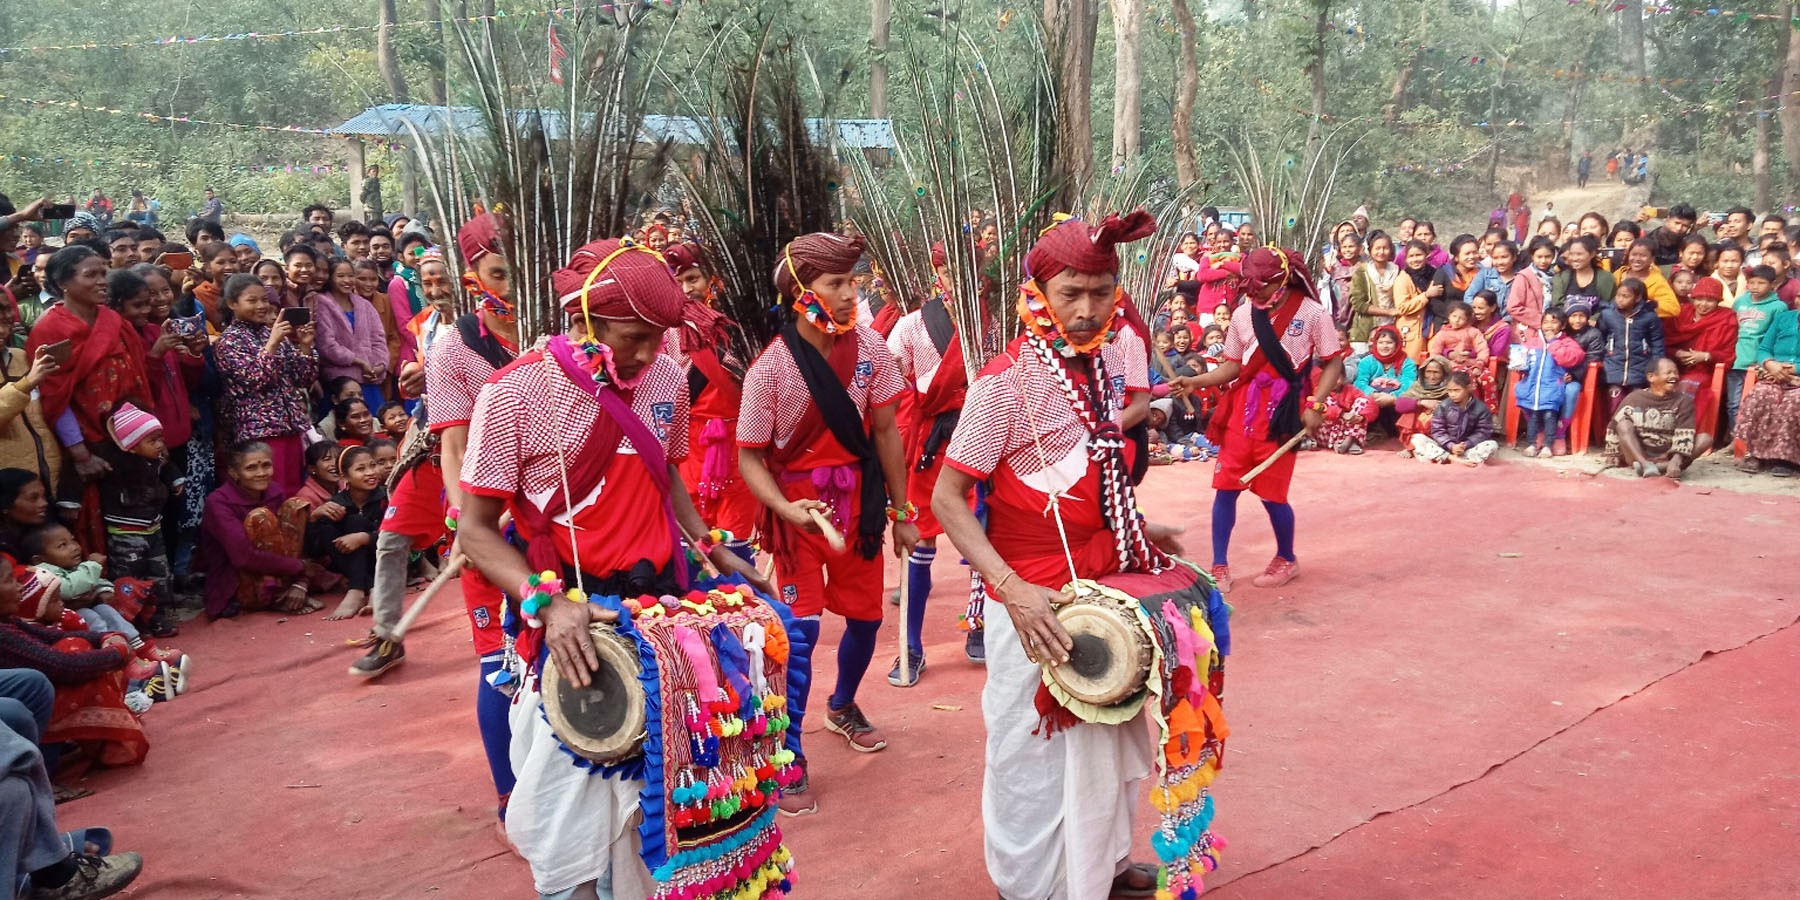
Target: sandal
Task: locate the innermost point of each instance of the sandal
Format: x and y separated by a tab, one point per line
1122	886
61	794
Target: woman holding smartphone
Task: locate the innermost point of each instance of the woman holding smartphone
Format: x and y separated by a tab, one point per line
267	363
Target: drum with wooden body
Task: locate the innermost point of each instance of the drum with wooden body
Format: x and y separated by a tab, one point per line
603	722
1113	624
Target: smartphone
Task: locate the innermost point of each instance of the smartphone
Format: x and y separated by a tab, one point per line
187	328
176	260
297	316
59	211
60	351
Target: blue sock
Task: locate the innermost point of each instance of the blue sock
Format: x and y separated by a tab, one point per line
491	708
918	590
803	634
854	653
1281	516
1224	518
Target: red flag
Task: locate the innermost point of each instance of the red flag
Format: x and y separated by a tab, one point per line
557	55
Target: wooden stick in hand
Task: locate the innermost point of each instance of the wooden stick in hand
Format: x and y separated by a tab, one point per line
1279	453
832	536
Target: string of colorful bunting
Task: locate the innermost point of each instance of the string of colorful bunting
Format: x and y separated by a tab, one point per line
323	30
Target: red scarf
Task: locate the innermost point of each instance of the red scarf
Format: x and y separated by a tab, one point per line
107	368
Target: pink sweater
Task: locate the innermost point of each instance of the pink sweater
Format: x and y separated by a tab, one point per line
341	344
1468	339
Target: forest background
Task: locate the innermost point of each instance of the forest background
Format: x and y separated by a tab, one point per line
1429	107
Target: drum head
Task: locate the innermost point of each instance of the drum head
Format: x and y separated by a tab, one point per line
604	721
1104	666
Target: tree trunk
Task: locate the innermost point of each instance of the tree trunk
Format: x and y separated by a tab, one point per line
1315	70
1071	26
879	14
1759	158
1494	130
1128	18
1564	151
1397	96
384	53
434	13
1789	111
1631	37
1187	164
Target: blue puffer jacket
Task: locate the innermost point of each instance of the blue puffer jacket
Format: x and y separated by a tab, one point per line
1633	344
1546	368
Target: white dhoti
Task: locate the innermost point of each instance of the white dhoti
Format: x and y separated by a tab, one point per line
1057	812
573	826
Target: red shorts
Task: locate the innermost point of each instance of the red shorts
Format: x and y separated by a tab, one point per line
487	606
1239	454
416	506
735	510
855	583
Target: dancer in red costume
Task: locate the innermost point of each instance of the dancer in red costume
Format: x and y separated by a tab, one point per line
706	344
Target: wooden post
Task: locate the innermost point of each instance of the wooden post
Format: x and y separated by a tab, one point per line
359	153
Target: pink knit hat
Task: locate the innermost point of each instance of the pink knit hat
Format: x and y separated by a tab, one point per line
129	426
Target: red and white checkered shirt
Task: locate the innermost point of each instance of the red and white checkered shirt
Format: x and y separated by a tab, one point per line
914	351
523	415
1134	357
1311	334
1021	416
454	374
776	398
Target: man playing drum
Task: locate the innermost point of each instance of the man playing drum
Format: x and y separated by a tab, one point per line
1041	425
817	438
580	441
1281	345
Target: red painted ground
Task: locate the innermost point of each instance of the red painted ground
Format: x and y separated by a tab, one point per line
1498	683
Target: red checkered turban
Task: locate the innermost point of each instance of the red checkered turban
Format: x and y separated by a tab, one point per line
632	284
811	256
1073	244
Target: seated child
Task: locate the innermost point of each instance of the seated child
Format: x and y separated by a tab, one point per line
387	455
1549	354
1461	427
133	495
1352	359
56	556
321	475
1346	427
347	542
40	601
394	420
1579	315
1171	434
1461	342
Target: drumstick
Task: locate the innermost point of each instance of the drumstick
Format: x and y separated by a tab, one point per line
444	575
832	536
905	645
1279	452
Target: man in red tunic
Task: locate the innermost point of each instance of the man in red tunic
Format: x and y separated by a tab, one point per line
580	442
704	345
928	347
1282	359
1041	425
817	437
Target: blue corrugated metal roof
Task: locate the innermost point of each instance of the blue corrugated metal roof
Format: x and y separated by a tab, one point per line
390	120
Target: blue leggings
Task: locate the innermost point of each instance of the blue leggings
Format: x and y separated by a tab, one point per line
491	708
1224	519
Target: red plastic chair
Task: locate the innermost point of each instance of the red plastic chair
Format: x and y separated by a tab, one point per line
1510	401
1737	443
1718	398
1582	426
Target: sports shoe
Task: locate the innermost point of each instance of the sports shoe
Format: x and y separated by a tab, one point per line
1280	572
1221	576
161	688
915	662
1356	448
95	877
854	726
162	654
178	673
383	656
794	799
975	647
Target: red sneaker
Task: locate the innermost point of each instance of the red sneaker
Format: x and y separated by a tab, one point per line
1279	572
1221	576
854	726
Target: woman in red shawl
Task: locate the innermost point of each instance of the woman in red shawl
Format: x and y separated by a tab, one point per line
105	367
1701	336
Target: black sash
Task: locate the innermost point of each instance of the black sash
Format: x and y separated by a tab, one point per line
1284	422
840	415
486	345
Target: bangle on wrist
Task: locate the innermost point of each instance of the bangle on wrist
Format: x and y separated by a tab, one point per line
1002	582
